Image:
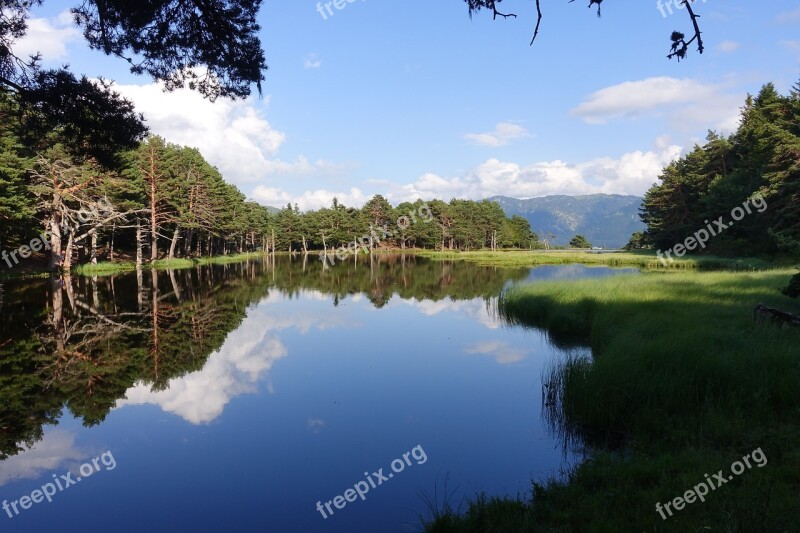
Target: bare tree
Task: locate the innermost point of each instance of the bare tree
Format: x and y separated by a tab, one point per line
679	47
72	211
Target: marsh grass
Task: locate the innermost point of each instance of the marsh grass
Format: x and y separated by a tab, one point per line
639	259
684	377
109	268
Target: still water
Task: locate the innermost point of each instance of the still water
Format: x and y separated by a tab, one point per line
236	397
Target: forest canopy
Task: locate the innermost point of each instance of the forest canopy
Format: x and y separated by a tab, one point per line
210	46
761	159
166	201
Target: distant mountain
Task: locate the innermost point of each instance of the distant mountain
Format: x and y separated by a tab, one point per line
606	220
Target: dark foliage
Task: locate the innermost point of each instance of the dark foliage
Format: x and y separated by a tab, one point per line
210	46
793	290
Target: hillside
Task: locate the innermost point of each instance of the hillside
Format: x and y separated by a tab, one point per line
606	220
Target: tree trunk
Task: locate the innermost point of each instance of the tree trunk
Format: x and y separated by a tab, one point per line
55	243
138	244
95	293
175	287
111	243
93	252
154	309
187	245
66	265
153	211
174	242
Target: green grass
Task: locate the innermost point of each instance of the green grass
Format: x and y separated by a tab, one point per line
109	268
683	382
637	259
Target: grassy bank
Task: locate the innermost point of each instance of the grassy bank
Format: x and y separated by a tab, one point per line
511	259
637	259
683	383
109	268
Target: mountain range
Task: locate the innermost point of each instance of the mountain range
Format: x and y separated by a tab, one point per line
605	220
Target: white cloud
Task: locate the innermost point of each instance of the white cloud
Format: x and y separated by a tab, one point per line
309	200
235	136
200	397
303	167
246	357
502	352
789	17
312	61
675	98
503	134
52	452
630	173
728	46
315	425
476	309
48	36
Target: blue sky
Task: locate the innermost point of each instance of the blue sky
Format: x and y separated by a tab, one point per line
413	99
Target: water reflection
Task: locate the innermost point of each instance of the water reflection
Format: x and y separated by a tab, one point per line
92	344
235	396
57	448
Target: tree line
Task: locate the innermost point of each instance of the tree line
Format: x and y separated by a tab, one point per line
760	160
165	201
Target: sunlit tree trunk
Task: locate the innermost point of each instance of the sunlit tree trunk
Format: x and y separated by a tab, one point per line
55	236
175	287
153	207
154	309
66	264
174	242
138	244
93	252
111	243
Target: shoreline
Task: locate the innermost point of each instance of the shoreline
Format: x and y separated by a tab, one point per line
645	260
682	381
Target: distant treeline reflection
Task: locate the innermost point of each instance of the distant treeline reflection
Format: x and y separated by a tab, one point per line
82	342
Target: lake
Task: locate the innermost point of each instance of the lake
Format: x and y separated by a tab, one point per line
238	396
